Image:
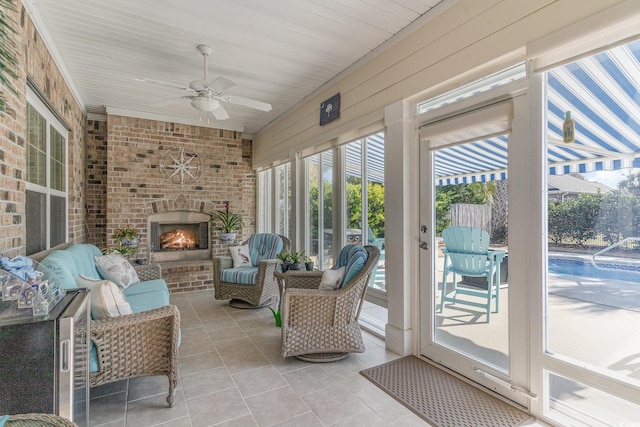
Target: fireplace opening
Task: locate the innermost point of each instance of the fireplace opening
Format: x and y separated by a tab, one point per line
178	240
179	236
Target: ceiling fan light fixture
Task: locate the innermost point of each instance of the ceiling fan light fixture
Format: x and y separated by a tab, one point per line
203	103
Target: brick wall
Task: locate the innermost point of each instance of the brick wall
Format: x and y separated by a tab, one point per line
96	182
35	61
136	187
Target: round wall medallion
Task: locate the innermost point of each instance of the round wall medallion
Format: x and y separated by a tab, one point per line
179	166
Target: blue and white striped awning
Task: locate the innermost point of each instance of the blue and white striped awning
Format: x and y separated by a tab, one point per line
603	94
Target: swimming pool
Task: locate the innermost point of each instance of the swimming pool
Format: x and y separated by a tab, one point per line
630	273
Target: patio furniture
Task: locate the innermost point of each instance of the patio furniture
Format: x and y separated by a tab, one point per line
139	344
322	325
467	253
254	286
37	420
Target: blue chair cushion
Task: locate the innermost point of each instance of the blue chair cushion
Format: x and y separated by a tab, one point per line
264	246
241	276
352	258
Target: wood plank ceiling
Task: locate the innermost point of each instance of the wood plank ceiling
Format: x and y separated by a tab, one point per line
277	51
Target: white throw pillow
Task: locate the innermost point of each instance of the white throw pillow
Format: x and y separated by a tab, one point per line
331	279
116	268
241	256
107	299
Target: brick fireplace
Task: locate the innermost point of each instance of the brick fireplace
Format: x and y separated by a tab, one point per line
123	164
179	236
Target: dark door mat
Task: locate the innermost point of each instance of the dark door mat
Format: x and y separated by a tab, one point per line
440	398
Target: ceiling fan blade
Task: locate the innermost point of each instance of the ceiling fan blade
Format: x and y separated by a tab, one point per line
251	103
163	83
220	113
220	83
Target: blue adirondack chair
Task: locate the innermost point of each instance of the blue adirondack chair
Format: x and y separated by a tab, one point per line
467	253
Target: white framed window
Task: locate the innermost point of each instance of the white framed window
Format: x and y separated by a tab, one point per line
46	178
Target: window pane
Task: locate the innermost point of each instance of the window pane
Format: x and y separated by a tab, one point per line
58	220
58	161
36	222
375	203
577	404
36	147
354	193
327	208
313	174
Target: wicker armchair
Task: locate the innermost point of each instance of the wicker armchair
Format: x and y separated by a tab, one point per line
138	344
322	325
38	420
263	288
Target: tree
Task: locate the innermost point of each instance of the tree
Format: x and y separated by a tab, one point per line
616	216
478	193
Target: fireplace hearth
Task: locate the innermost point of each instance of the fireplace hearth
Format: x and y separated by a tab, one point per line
179	236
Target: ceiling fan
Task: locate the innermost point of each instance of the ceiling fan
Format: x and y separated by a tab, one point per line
206	94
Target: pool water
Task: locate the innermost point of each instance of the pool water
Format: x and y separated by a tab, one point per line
629	273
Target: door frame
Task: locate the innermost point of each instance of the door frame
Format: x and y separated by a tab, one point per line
516	387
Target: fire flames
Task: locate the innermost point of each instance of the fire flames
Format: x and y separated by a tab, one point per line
178	239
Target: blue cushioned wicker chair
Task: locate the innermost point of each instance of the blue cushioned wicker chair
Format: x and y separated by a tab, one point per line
255	286
322	325
467	253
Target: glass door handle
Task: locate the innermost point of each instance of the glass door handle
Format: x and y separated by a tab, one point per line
424	245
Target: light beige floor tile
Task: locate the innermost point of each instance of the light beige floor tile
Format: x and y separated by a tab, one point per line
198	333
384	405
259	333
353	381
276	406
244	421
154	410
189	323
118	423
307	420
334	404
258	381
410	421
218	323
234	346
103	390
224	334
376	356
309	379
216	408
142	387
207	382
246	361
107	409
366	419
190	348
199	362
180	422
349	363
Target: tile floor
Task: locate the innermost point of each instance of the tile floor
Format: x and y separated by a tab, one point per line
231	374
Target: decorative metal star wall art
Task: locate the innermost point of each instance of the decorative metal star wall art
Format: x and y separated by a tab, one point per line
179	166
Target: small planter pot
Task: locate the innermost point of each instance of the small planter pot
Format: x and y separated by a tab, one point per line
309	265
296	266
131	243
285	266
227	237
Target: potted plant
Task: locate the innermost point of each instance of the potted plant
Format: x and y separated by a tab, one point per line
297	258
308	264
227	222
285	257
128	240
